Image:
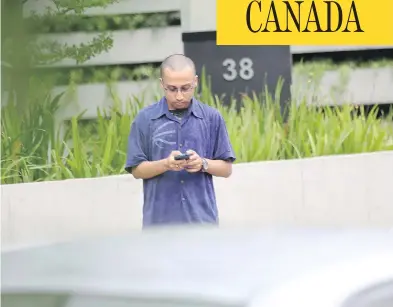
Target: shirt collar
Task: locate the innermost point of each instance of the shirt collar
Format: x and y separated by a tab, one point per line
162	108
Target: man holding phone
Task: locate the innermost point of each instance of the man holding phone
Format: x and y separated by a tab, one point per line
176	146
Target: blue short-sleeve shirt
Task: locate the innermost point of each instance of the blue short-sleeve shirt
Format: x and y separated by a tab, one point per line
178	197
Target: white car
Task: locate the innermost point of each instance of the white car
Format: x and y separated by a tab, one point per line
206	267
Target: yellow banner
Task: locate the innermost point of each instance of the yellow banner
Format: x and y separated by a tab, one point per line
308	22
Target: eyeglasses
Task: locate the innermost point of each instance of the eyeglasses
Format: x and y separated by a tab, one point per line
183	89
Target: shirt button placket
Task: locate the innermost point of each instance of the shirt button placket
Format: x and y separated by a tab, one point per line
179	140
182	194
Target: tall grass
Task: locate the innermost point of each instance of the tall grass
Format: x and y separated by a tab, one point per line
35	149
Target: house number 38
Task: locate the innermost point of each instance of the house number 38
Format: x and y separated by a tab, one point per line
244	69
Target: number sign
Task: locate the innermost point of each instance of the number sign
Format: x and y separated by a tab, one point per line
243	70
235	70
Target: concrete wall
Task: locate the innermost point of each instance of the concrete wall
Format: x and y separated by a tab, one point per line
350	190
360	86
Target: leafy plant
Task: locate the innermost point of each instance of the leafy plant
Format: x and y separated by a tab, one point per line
77	23
22	51
35	147
27	139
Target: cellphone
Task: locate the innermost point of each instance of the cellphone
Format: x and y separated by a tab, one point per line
182	157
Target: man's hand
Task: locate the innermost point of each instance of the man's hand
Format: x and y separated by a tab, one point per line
194	164
173	165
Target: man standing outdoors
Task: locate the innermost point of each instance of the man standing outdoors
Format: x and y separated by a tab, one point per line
179	191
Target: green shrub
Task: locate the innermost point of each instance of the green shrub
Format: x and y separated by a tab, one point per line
35	149
97	74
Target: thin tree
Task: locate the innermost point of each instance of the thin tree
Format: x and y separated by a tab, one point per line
23	48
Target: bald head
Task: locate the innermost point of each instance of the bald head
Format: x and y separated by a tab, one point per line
177	62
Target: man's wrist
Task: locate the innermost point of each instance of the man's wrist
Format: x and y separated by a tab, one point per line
164	164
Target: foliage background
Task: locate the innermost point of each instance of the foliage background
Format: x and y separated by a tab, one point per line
36	147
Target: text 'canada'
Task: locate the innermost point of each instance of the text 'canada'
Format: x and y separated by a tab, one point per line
302	16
